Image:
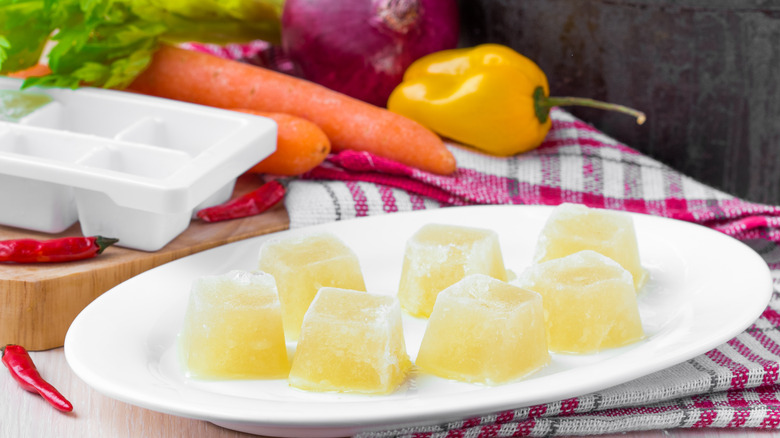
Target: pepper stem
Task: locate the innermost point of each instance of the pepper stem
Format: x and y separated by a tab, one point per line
542	105
104	242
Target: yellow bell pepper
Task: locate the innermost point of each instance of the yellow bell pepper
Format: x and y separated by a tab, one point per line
489	97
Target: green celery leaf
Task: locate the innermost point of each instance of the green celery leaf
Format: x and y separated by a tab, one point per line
124	70
25	27
92	72
63	56
107	43
4	46
52	80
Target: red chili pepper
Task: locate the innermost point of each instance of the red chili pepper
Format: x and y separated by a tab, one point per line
254	202
63	249
23	370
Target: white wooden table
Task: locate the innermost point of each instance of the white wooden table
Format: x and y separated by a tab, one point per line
26	415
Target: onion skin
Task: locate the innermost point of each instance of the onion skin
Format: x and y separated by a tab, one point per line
362	47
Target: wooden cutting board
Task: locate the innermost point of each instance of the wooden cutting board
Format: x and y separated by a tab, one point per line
38	302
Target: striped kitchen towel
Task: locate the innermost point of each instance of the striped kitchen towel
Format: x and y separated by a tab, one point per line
734	385
576	163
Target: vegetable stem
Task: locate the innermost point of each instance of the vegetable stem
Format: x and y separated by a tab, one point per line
104	242
544	103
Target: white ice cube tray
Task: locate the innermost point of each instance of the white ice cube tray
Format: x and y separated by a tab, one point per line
127	166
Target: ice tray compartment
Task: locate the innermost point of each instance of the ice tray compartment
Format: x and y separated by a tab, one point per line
131	123
146	230
35	204
130	159
46	145
127	166
82	117
17	104
102	215
192	137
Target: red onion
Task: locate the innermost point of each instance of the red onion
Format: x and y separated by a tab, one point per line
362	47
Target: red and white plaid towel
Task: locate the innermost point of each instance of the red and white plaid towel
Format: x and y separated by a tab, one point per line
734	385
576	163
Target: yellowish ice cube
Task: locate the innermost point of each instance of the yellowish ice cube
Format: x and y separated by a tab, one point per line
351	341
589	302
573	227
233	328
483	330
302	265
438	256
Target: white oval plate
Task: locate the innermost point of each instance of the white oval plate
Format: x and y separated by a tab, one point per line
704	289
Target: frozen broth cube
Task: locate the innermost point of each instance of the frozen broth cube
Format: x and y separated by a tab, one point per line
302	265
573	227
438	256
233	328
483	330
589	302
351	342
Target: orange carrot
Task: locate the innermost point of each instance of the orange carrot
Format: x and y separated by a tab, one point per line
300	145
34	71
191	76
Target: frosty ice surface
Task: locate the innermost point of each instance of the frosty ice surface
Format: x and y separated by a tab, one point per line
589	302
574	227
483	330
351	341
233	328
302	265
438	255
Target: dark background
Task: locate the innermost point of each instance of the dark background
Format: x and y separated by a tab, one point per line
706	73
